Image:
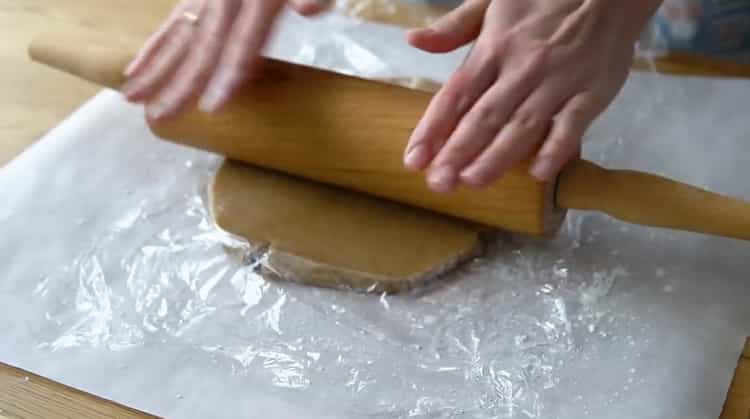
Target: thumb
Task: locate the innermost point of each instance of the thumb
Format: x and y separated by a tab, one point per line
454	30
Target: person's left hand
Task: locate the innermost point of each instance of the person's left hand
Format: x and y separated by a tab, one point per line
539	73
208	59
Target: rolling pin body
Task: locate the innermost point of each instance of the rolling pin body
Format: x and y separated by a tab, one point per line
351	132
319	125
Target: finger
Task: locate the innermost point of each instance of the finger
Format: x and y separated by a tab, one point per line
148	50
516	140
154	42
193	74
240	56
451	102
482	123
307	7
565	137
455	29
146	84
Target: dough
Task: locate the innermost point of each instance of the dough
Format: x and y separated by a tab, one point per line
331	237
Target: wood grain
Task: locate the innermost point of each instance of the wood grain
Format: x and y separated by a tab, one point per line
651	200
34	99
684	64
24	395
352	133
737	405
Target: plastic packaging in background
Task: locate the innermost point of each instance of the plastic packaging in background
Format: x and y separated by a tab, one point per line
703	27
111	255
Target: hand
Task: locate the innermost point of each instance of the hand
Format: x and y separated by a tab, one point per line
209	58
539	73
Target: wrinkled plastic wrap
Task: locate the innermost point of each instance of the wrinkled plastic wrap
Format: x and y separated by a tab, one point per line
116	281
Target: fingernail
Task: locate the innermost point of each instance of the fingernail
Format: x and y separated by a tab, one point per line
426	31
417	157
418	133
212	100
159	109
442	179
542	169
129	69
214	95
473	175
129	89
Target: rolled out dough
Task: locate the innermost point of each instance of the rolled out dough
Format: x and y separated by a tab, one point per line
330	237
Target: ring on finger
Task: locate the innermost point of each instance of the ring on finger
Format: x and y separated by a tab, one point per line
191	18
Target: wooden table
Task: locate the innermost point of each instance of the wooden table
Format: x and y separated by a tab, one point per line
35	99
737	405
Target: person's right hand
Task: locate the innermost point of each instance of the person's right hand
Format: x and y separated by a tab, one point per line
207	59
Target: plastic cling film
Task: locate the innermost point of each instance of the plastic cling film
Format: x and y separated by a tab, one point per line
490	345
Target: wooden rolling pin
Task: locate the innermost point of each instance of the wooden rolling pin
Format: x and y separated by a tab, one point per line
352	132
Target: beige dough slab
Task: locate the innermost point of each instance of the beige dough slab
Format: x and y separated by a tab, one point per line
330	237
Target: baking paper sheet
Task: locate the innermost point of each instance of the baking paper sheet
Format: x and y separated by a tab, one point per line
114	279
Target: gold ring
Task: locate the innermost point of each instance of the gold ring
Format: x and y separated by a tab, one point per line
191	17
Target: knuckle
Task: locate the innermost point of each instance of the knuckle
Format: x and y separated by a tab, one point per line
458	150
173	35
211	39
530	72
237	54
486	116
560	140
459	80
150	80
492	45
526	120
231	5
575	115
503	39
456	98
581	111
192	80
540	56
543	49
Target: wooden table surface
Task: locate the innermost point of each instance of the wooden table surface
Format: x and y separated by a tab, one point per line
35	99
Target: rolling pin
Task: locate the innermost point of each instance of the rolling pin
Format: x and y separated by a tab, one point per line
352	132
